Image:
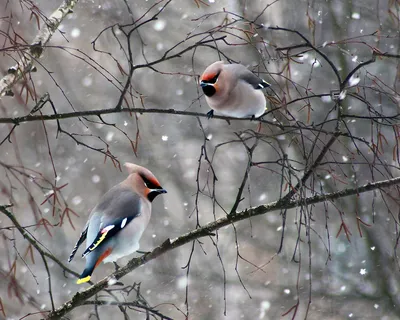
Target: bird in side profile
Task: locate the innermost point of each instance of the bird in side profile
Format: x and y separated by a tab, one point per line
116	224
233	90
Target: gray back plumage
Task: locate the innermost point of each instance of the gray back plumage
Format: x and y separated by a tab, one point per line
246	75
116	203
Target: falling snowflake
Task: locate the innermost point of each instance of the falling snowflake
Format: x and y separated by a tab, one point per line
75	33
354	80
76	200
96	179
160	25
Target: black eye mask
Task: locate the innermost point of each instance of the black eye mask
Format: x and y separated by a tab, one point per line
213	80
149	184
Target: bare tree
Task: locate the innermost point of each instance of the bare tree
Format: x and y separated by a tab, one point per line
291	215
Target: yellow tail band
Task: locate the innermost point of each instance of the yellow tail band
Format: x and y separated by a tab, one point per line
83	280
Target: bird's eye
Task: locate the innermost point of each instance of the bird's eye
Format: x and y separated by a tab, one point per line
149	184
214	80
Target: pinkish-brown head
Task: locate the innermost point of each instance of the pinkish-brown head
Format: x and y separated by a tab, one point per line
213	78
143	181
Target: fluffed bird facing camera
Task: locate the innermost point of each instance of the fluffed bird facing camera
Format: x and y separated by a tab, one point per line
233	91
116	224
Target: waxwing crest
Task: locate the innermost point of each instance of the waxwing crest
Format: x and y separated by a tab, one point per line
151	186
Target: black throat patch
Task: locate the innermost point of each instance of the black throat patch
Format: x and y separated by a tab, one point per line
209	90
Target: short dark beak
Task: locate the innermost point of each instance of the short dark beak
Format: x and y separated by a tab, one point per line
154	193
158	190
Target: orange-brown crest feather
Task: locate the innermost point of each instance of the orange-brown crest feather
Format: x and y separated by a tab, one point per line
208	76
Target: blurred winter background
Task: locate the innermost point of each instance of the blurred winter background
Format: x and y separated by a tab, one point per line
358	280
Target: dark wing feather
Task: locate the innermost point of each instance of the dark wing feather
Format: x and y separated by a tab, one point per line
108	232
118	203
248	76
82	238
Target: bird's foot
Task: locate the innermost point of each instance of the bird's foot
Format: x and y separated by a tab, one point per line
142	252
210	114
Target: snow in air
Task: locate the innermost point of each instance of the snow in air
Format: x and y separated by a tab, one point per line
109	136
49	193
354	80
75	33
160	25
182	282
355	16
112	281
326	99
96	179
372	248
363	272
342	95
76	200
164	138
376	306
303	57
265	305
345	159
315	63
286	291
87	81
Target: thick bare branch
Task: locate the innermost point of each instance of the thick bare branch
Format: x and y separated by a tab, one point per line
80	297
37	47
